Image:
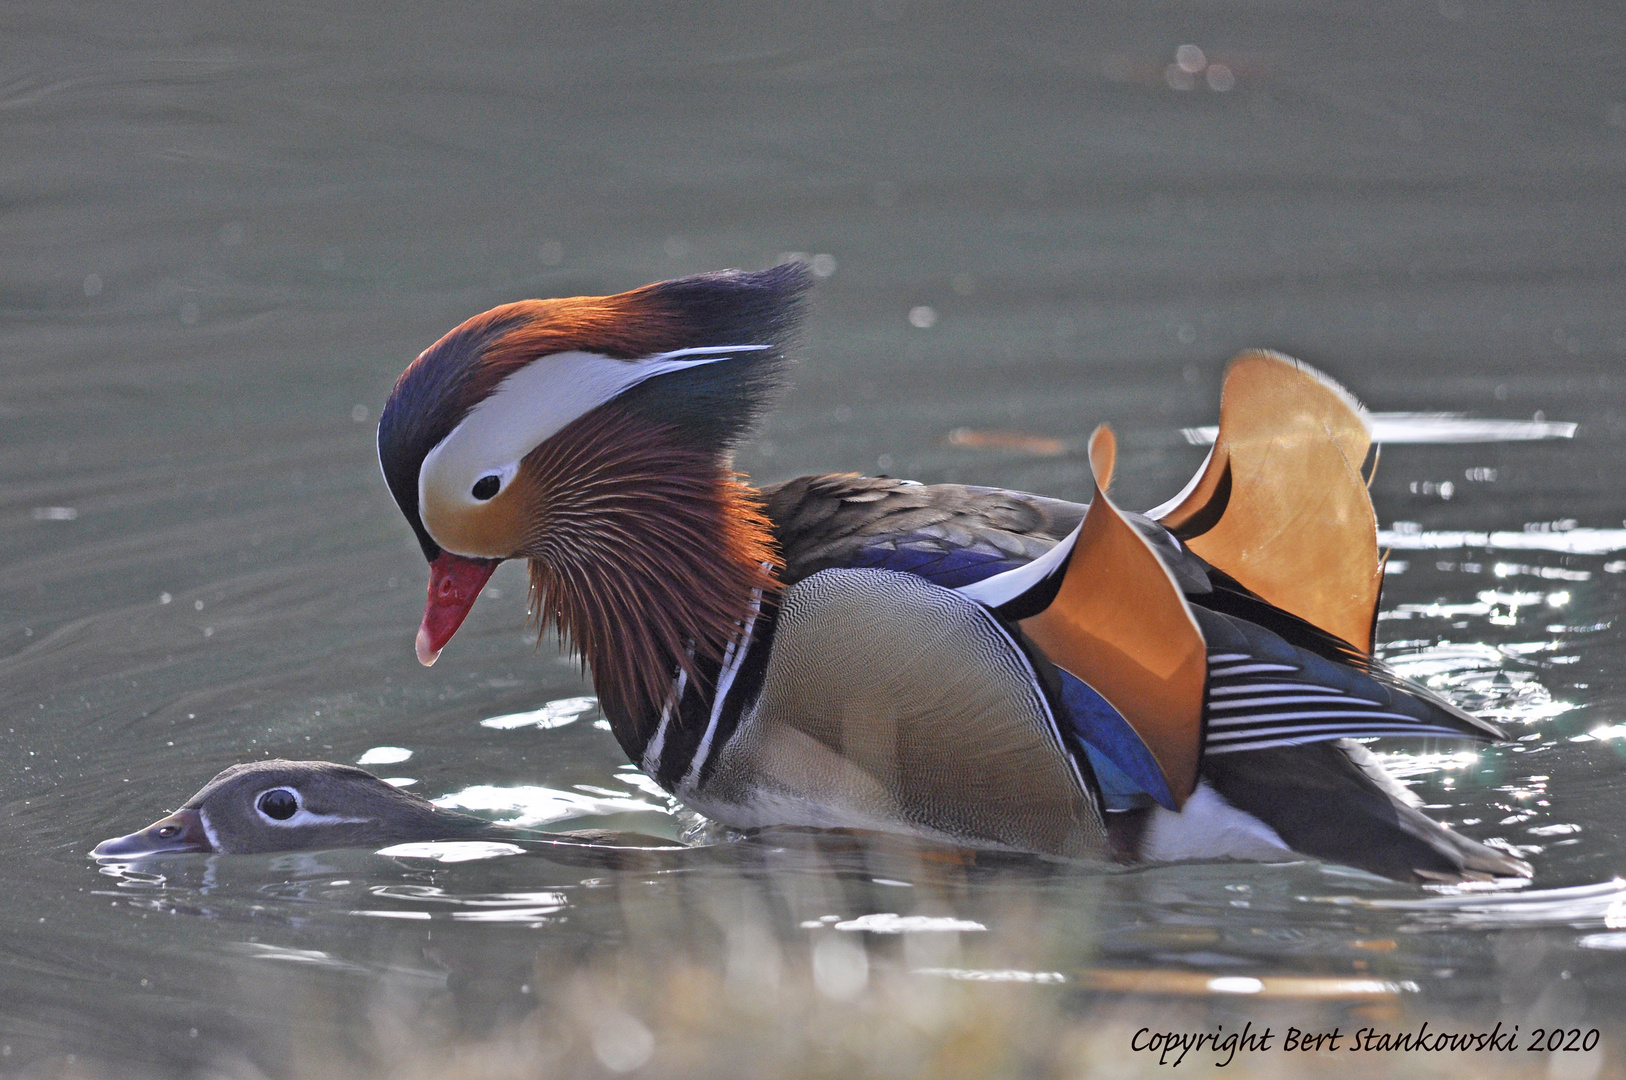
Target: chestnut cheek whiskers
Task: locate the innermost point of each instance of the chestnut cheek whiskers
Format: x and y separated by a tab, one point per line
644	556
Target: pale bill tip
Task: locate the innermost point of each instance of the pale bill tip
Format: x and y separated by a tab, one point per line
426	655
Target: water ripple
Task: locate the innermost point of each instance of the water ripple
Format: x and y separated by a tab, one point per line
529	806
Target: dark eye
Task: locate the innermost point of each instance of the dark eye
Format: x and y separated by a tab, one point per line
278	804
486	487
167	831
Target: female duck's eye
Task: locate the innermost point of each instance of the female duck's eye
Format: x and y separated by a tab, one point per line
278	804
168	831
486	487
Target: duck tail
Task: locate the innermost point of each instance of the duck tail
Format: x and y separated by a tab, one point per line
1280	504
1335	801
1282	515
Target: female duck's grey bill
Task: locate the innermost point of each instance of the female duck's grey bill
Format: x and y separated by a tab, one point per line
181	831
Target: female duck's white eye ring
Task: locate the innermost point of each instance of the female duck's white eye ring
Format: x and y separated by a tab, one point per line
278	804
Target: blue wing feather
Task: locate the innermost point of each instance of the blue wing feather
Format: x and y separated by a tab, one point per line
1126	770
930	557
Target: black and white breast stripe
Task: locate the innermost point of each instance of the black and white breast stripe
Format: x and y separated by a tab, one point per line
704	713
733	661
1253	704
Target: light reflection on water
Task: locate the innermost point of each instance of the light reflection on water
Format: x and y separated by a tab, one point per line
1412	428
1200	911
451	851
1494	682
529	806
551	715
1581	907
1573	541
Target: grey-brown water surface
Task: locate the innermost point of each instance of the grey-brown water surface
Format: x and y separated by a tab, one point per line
226	228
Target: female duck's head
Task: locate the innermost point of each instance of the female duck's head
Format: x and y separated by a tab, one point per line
277	805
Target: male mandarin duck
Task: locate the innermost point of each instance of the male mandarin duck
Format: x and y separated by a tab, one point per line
965	664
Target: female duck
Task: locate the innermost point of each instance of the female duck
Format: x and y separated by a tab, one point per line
265	806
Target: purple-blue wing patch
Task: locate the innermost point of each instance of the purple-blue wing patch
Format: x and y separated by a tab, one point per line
939	563
1126	770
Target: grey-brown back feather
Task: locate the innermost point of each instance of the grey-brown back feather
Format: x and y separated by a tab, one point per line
823	521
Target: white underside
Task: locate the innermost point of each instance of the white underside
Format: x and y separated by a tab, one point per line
1210	828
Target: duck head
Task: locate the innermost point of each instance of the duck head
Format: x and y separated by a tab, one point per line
593	437
264	806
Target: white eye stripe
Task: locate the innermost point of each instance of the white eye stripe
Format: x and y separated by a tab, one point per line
531	405
303	817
